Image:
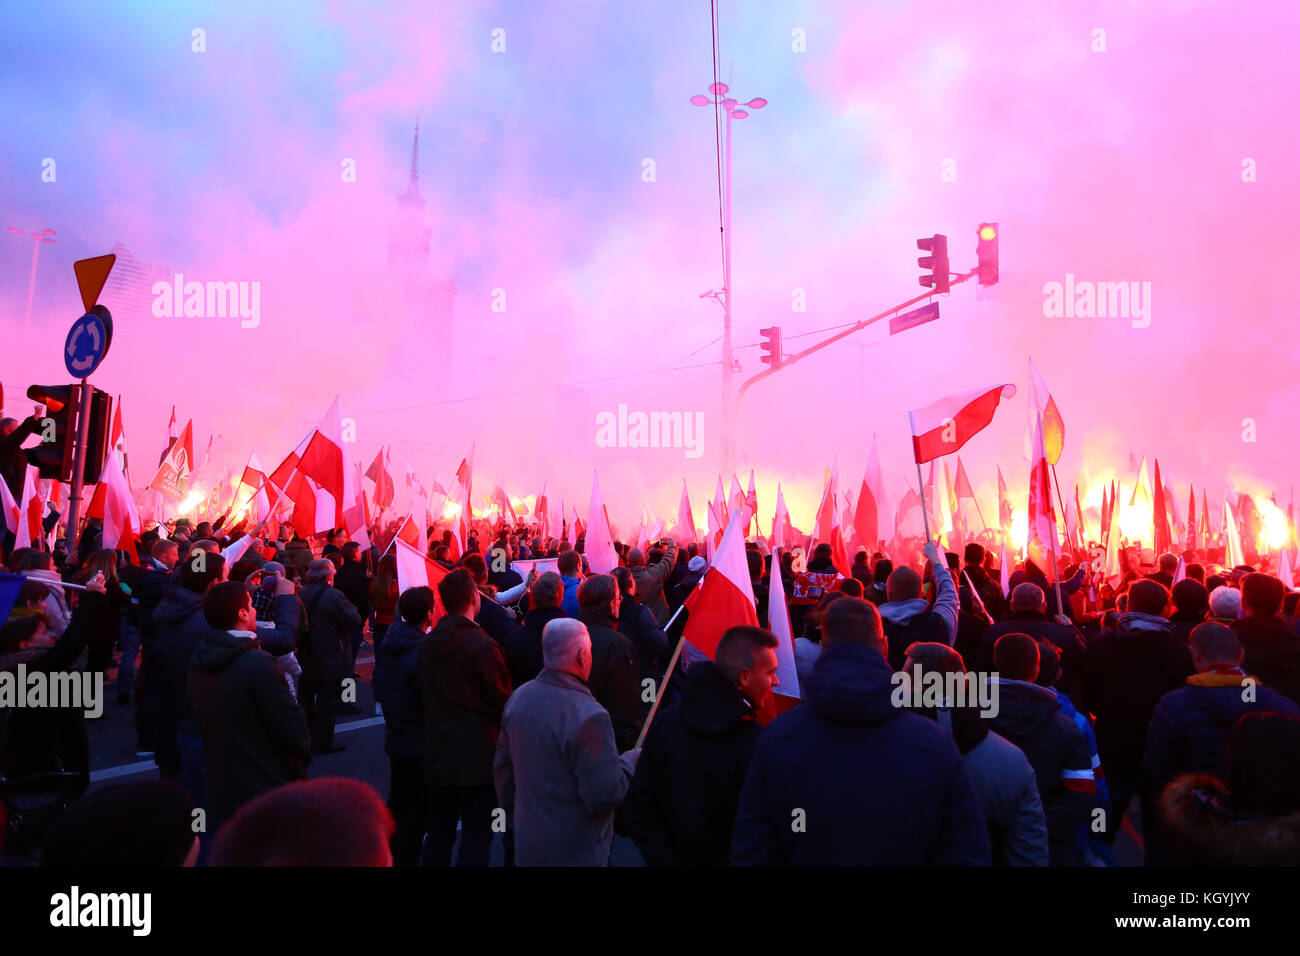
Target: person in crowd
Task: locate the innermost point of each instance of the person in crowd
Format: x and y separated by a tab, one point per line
181	626
638	624
847	778
1030	717
1127	671
613	677
1034	575
1166	566
1191	606
397	688
569	564
861	570
328	822
354	581
808	645
1269	642
151	585
681	808
1028	615
40	566
499	622
332	621
524	648
1251	817
973	622
650	577
255	733
908	618
501	576
1003	778
142	823
690	580
989	590
878	593
1225	604
557	769
383	599
464	684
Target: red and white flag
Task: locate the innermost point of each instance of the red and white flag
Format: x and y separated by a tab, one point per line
414	570
751	503
1233	553
942	428
122	524
326	462
380	472
725	597
9	508
542	513
1285	573
686	533
782	531
1042	546
599	549
828	510
786	694
176	465
1042	403
29	513
871	517
171	427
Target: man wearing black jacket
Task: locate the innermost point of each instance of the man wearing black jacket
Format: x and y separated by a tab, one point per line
524	646
613	680
464	685
331	619
353	580
254	731
681	807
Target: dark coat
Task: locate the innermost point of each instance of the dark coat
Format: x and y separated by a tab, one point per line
1191	726
397	688
1030	717
1194	811
682	805
464	685
254	731
1067	640
650	580
496	620
989	590
1127	671
181	626
639	625
524	647
613	680
888	787
1048	588
331	619
352	581
1272	652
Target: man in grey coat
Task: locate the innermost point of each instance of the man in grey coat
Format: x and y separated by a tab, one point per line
557	771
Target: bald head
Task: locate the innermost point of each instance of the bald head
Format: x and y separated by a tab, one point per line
1028	597
1213	646
903	584
566	647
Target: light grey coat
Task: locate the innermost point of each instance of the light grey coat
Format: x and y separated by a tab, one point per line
558	773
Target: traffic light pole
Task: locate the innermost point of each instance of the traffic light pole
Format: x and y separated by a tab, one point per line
786	362
78	466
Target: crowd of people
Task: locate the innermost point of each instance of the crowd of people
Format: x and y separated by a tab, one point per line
1165	704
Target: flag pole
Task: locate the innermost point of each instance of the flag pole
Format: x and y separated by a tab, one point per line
677	652
925	516
1061	501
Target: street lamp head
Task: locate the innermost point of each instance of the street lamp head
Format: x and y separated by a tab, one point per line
738	114
699	99
757	103
729	103
17	230
48	232
717	89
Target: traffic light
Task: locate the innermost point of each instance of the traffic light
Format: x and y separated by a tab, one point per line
987	251
770	348
53	456
101	421
937	262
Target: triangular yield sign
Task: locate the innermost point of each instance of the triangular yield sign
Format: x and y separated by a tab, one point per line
91	276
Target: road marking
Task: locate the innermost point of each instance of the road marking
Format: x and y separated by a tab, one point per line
144	766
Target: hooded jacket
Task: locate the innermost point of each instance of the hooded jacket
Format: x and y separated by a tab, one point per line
464	685
681	807
847	779
613	680
1191	726
1066	639
331	619
1126	672
180	625
524	648
397	688
906	622
650	580
255	733
1030	717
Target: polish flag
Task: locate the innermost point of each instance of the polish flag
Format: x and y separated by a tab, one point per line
578	527
412	534
871	516
786	694
782	532
253	477
720	500
1112	571
327	463
313	506
827	517
1233	555
9	507
599	550
380	472
414	570
542	514
284	471
685	519
1285	572
29	514
943	427
122	522
1006	571
1162	539
1042	546
1042	403
724	597
715	532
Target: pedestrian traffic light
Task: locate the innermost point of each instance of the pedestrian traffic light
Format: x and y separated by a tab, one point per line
936	262
770	348
53	456
101	422
987	251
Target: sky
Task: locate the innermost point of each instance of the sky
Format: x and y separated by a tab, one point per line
570	181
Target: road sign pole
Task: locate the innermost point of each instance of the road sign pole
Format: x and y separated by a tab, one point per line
78	467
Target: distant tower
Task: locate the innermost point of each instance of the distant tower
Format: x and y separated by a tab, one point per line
432	299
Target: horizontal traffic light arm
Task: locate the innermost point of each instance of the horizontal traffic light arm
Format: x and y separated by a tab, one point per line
856	327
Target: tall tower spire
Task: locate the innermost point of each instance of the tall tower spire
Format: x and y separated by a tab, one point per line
415	155
411	199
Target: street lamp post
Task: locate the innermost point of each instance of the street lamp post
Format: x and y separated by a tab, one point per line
37	239
735	111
